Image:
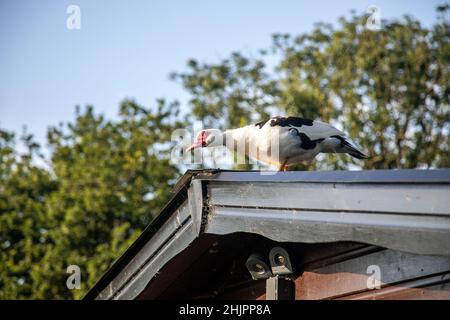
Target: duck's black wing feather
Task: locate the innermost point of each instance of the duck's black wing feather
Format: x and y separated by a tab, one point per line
314	129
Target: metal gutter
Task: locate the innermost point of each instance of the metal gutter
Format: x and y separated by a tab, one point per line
416	176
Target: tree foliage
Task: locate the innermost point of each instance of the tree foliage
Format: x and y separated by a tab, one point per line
105	180
389	89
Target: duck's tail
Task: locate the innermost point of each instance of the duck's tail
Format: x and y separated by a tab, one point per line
340	144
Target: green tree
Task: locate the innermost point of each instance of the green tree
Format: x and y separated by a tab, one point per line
23	233
107	180
389	88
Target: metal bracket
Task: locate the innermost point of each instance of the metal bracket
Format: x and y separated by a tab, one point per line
280	288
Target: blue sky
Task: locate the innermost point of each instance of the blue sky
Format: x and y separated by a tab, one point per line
128	48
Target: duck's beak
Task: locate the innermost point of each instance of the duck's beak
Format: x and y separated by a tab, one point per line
195	145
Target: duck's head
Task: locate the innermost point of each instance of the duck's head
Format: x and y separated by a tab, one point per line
207	138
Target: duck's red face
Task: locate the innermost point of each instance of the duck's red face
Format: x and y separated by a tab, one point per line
200	141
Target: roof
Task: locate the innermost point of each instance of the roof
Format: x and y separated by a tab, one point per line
405	210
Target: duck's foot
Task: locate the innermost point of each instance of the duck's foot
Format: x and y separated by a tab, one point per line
283	166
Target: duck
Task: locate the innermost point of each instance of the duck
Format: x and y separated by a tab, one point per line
281	141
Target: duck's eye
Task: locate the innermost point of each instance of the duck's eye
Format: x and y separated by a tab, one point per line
293	131
209	139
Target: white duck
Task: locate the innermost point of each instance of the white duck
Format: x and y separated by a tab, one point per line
294	139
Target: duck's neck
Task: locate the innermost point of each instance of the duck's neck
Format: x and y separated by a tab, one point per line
239	135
